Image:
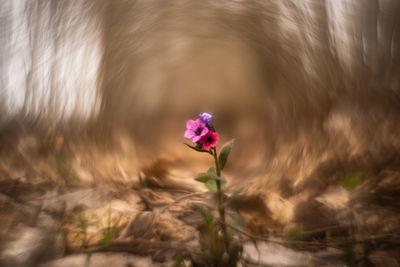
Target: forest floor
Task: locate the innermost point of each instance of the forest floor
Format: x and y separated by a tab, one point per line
150	218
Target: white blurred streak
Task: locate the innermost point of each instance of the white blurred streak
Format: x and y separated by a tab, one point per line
78	54
50	59
341	32
15	60
289	62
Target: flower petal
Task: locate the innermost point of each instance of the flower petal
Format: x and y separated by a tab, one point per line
206	146
204	132
215	139
215	136
196	139
200	123
209	140
206	117
189	134
191	125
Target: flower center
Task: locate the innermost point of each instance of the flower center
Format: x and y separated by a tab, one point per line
198	131
210	139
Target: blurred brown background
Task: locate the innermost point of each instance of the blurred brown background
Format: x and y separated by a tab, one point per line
94	91
294	79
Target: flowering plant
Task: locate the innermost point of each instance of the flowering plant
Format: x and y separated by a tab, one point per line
203	134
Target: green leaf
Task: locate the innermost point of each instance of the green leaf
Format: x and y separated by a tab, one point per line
293	232
108	232
178	260
206	177
198	149
212	170
208	219
107	237
351	181
212	184
224	153
82	223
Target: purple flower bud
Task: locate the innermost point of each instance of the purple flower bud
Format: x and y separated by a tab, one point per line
206	117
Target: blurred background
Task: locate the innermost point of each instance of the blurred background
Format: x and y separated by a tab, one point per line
96	94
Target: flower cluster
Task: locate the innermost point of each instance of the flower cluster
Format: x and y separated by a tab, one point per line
201	132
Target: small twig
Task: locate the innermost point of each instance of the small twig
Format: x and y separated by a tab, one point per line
182	198
134	246
248	261
189	196
327	244
322	229
251	236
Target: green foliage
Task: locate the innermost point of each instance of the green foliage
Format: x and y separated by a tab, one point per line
224	153
209	179
65	168
293	233
83	225
212	185
209	221
212	170
222	248
82	222
108	233
351	181
198	149
205	177
107	237
178	260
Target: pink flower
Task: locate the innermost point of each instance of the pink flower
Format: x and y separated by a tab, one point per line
196	130
209	140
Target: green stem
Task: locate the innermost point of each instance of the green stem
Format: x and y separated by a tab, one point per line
221	208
